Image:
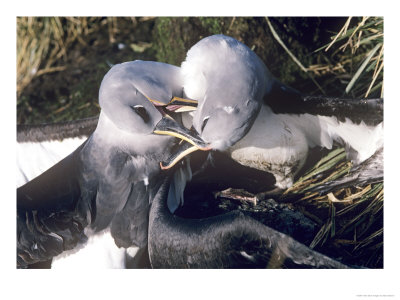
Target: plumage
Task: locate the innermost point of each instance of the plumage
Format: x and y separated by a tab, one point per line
248	114
87	191
109	182
56	132
33	158
41	146
279	143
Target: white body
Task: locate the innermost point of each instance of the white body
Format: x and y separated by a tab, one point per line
278	143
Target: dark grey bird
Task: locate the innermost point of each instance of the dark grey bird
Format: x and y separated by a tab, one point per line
95	188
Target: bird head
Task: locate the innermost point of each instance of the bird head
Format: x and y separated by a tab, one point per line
228	80
131	118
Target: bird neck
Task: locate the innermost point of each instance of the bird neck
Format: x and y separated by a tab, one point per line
136	144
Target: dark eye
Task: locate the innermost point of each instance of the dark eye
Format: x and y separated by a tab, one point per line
142	112
205	120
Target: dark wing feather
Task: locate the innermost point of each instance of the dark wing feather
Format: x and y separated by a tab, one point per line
51	212
286	100
56	131
368	172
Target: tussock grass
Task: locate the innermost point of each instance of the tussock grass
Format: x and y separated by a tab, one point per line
352	62
43	43
350	219
356	55
62	60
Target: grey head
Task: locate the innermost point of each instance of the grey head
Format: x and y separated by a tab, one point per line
125	92
229	81
130	98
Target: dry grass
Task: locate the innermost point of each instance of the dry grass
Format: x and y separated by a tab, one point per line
356	55
61	61
43	43
350	219
353	59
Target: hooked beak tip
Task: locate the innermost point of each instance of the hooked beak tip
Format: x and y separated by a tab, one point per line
164	167
208	148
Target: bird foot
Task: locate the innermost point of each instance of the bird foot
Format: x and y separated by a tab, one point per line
237	194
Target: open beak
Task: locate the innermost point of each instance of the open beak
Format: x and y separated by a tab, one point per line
183	150
177	104
168	126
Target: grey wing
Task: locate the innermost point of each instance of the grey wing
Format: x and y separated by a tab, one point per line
115	187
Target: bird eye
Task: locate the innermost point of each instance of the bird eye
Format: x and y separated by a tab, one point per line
205	120
142	112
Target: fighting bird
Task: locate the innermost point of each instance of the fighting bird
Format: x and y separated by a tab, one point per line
245	112
102	184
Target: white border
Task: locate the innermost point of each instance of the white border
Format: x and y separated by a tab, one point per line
229	284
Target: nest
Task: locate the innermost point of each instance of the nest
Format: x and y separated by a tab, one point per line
345	224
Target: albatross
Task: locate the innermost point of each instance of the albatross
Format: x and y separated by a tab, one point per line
248	114
105	184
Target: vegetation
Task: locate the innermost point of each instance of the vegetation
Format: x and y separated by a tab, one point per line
361	49
350	219
61	61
